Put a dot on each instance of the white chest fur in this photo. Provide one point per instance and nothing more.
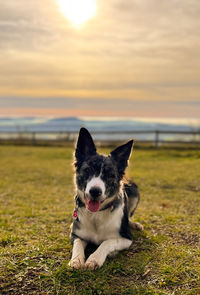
(99, 226)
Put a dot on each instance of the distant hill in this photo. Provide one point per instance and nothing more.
(73, 124)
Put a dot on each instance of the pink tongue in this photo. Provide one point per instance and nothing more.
(93, 206)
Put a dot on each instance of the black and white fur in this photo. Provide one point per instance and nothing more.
(104, 203)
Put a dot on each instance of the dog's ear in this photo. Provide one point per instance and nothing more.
(85, 146)
(121, 155)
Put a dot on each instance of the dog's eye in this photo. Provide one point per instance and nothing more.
(108, 174)
(87, 170)
(111, 175)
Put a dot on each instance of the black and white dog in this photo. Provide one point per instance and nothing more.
(103, 204)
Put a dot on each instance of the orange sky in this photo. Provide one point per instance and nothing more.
(62, 107)
(131, 50)
(73, 113)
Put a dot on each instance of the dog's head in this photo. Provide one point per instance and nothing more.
(98, 177)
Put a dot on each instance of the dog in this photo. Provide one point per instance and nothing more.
(104, 203)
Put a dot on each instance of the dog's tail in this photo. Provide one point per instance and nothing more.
(136, 225)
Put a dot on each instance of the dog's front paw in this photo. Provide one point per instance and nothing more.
(92, 263)
(76, 263)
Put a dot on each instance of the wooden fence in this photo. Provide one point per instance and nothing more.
(158, 137)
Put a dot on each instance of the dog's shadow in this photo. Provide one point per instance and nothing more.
(90, 248)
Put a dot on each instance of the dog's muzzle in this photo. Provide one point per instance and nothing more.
(92, 199)
(95, 192)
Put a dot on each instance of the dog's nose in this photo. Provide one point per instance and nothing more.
(95, 192)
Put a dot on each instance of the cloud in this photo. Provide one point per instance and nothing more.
(139, 49)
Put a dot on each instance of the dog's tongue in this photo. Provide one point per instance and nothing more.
(93, 206)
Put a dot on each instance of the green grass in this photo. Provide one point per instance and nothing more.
(36, 205)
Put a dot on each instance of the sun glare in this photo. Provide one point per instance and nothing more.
(78, 11)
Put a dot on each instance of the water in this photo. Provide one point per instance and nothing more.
(99, 124)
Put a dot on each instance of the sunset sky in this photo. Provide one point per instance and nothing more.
(133, 58)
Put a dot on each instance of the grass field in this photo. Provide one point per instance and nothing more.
(36, 205)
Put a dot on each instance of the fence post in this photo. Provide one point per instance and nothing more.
(33, 138)
(157, 138)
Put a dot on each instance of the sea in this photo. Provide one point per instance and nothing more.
(116, 128)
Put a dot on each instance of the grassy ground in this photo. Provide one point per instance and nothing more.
(36, 205)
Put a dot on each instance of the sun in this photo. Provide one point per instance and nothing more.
(78, 11)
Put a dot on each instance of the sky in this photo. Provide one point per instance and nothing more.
(134, 58)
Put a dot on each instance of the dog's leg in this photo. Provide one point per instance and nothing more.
(78, 254)
(97, 259)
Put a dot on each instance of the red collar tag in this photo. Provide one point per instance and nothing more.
(75, 214)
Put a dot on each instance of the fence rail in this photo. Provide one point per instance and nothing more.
(105, 132)
(158, 136)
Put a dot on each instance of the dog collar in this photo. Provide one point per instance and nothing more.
(79, 203)
(75, 214)
(113, 204)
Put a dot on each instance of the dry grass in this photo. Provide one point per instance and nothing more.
(36, 204)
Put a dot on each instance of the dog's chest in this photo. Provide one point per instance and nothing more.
(100, 226)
